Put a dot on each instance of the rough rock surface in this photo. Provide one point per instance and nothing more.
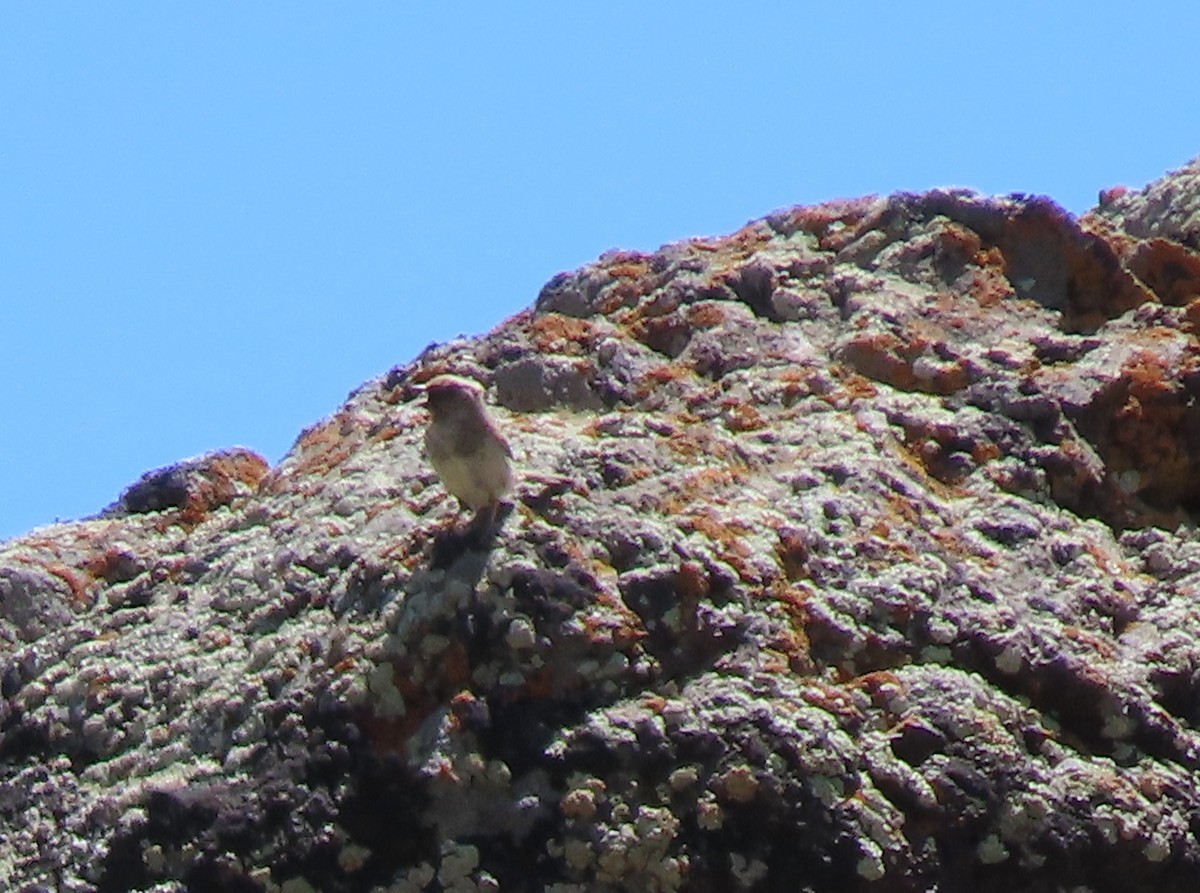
(854, 551)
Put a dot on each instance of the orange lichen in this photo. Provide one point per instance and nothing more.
(384, 431)
(630, 269)
(555, 333)
(835, 223)
(985, 451)
(959, 243)
(741, 244)
(706, 315)
(624, 293)
(696, 442)
(1114, 566)
(831, 699)
(952, 541)
(325, 446)
(1169, 269)
(730, 533)
(1143, 424)
(935, 445)
(792, 641)
(659, 376)
(625, 632)
(613, 298)
(881, 356)
(112, 565)
(82, 588)
(698, 483)
(692, 582)
(792, 553)
(743, 417)
(891, 359)
(219, 480)
(1106, 648)
(216, 639)
(654, 703)
(989, 285)
(800, 382)
(99, 690)
(427, 372)
(882, 687)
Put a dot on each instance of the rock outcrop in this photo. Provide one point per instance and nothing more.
(854, 551)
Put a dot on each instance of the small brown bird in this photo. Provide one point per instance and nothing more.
(469, 454)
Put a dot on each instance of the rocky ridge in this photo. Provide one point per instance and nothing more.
(855, 550)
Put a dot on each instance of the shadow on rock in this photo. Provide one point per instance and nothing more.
(466, 547)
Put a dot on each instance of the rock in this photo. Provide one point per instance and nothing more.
(194, 486)
(854, 550)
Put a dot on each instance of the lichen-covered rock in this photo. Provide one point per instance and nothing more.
(854, 551)
(194, 486)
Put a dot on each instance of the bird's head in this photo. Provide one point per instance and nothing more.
(450, 394)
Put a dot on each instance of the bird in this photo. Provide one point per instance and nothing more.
(465, 448)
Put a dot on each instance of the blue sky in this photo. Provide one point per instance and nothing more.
(218, 219)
